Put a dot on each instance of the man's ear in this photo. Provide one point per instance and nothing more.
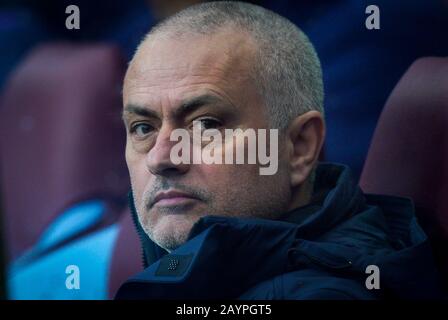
(305, 135)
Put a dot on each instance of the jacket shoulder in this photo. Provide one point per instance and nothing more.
(309, 285)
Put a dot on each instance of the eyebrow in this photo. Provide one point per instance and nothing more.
(191, 105)
(186, 107)
(140, 111)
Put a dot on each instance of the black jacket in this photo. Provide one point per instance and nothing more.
(319, 251)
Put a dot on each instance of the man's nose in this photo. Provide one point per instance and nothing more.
(158, 159)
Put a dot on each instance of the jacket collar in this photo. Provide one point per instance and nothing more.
(208, 266)
(335, 198)
(264, 246)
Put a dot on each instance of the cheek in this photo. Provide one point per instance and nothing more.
(228, 177)
(137, 173)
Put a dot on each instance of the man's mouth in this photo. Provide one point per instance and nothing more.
(173, 198)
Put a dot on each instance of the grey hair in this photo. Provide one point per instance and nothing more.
(286, 68)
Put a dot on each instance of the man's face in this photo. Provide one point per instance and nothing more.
(170, 84)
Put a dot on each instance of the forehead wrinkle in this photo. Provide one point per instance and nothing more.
(224, 71)
(235, 54)
(204, 69)
(209, 82)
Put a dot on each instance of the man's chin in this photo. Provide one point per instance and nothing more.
(171, 231)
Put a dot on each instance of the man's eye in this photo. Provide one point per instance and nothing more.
(207, 123)
(141, 129)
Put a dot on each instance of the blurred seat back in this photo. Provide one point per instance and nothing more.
(61, 137)
(409, 151)
(127, 257)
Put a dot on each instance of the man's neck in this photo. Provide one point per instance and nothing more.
(301, 196)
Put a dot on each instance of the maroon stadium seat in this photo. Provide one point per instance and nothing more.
(127, 258)
(61, 137)
(409, 151)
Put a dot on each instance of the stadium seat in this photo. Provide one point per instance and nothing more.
(61, 137)
(127, 256)
(408, 155)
